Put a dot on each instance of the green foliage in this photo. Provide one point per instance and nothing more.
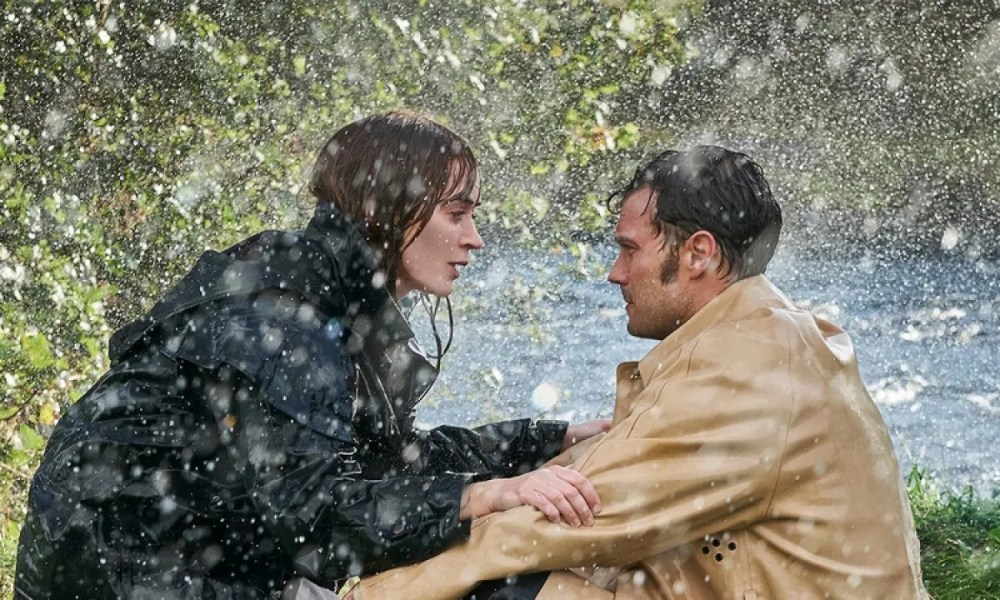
(960, 541)
(9, 531)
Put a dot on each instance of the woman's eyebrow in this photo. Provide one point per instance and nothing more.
(463, 198)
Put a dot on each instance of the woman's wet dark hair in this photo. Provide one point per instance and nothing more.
(387, 173)
(717, 190)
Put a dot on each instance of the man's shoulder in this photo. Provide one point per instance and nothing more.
(761, 336)
(775, 322)
(758, 349)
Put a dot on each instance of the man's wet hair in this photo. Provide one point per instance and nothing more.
(716, 190)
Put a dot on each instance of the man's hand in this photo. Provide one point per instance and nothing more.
(559, 492)
(578, 432)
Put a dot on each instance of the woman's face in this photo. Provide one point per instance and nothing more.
(431, 262)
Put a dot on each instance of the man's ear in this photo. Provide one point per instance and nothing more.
(702, 254)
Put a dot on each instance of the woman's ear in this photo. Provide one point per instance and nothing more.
(702, 254)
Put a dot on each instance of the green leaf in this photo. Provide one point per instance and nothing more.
(36, 348)
(13, 529)
(31, 438)
(18, 458)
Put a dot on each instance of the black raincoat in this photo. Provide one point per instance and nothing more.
(254, 427)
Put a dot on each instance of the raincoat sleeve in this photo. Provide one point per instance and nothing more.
(334, 523)
(501, 449)
(697, 454)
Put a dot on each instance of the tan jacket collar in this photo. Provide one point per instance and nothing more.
(733, 304)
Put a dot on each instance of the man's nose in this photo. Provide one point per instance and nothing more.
(617, 273)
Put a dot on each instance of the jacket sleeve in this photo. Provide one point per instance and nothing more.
(698, 454)
(501, 449)
(334, 523)
(282, 401)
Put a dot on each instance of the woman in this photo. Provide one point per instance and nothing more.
(256, 424)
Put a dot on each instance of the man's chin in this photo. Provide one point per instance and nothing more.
(636, 330)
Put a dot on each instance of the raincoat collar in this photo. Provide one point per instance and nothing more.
(329, 263)
(733, 304)
(359, 273)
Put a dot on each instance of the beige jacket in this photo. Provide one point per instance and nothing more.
(746, 462)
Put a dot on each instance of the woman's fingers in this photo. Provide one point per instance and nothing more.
(574, 501)
(546, 505)
(583, 486)
(561, 493)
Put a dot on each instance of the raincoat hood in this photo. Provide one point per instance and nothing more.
(329, 264)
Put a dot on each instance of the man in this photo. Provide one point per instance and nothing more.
(745, 460)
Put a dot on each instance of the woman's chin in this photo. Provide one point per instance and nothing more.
(442, 289)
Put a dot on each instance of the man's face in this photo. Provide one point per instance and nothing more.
(648, 272)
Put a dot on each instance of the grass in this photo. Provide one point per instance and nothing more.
(959, 541)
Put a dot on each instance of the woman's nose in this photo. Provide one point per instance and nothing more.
(471, 238)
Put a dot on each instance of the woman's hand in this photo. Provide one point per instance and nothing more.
(560, 493)
(578, 432)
